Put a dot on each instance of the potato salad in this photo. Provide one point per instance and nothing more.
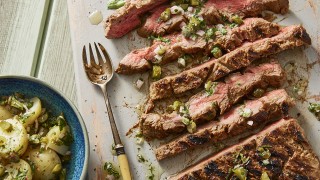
(34, 144)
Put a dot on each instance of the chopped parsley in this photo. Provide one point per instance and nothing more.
(159, 38)
(108, 166)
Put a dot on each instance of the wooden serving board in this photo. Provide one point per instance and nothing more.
(125, 97)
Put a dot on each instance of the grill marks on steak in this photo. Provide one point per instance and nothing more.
(230, 124)
(290, 37)
(252, 29)
(213, 12)
(203, 106)
(291, 156)
(127, 18)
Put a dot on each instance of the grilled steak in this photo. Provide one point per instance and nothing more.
(204, 106)
(213, 12)
(280, 151)
(289, 37)
(231, 124)
(252, 29)
(127, 17)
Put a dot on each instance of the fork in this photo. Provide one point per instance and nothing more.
(100, 74)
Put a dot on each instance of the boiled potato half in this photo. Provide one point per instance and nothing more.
(54, 135)
(4, 113)
(47, 163)
(13, 137)
(20, 170)
(33, 113)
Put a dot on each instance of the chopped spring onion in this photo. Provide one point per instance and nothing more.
(211, 33)
(210, 87)
(265, 162)
(165, 15)
(245, 112)
(176, 10)
(314, 107)
(184, 6)
(181, 62)
(237, 19)
(139, 140)
(139, 83)
(190, 9)
(95, 17)
(160, 50)
(264, 152)
(240, 172)
(176, 105)
(157, 59)
(250, 123)
(116, 4)
(192, 127)
(113, 150)
(108, 166)
(185, 121)
(258, 92)
(223, 31)
(264, 176)
(216, 52)
(186, 31)
(156, 72)
(195, 2)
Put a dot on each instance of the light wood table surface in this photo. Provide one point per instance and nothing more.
(35, 41)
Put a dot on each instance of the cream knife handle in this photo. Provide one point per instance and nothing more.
(123, 162)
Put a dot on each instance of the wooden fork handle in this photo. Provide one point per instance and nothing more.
(123, 162)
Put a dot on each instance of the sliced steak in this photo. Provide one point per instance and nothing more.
(127, 18)
(291, 157)
(290, 37)
(231, 124)
(204, 106)
(213, 12)
(252, 29)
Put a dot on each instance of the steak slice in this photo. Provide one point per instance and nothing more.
(290, 37)
(127, 18)
(203, 106)
(291, 156)
(252, 29)
(231, 124)
(213, 12)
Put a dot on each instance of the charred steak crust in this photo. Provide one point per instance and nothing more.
(290, 37)
(200, 106)
(231, 124)
(252, 29)
(213, 12)
(291, 156)
(127, 18)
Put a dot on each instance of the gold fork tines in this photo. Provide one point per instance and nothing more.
(100, 72)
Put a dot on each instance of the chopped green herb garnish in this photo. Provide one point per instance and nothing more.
(156, 72)
(159, 38)
(116, 4)
(165, 15)
(223, 31)
(210, 87)
(108, 166)
(141, 159)
(245, 112)
(216, 52)
(264, 176)
(240, 172)
(237, 19)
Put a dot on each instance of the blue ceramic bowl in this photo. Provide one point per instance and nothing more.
(57, 103)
